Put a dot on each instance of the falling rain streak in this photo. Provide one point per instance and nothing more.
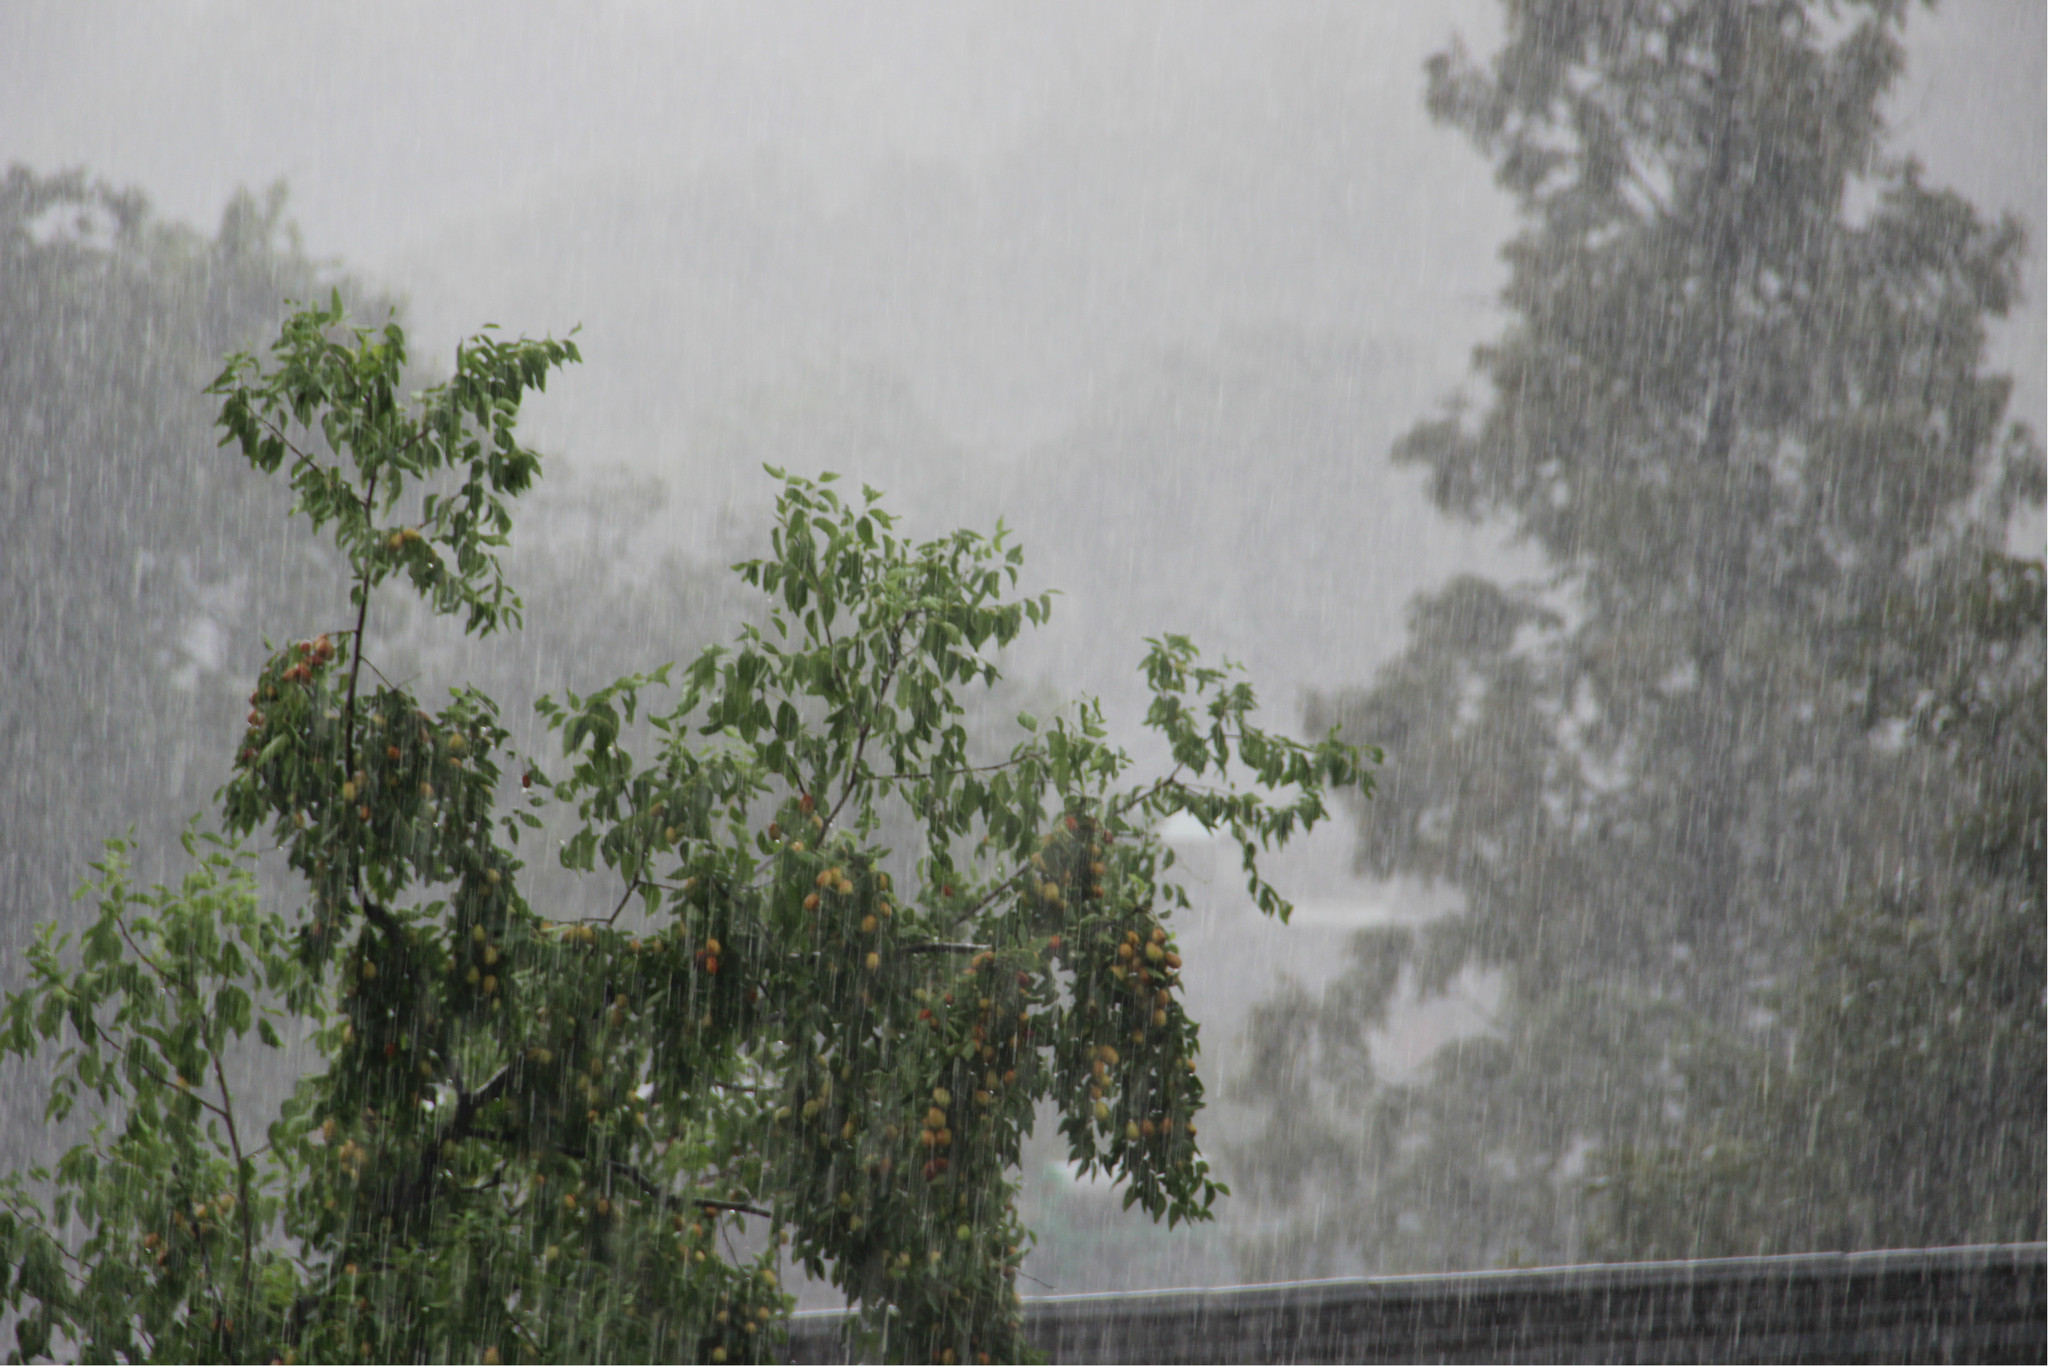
(1621, 420)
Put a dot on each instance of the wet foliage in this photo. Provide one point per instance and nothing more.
(532, 1134)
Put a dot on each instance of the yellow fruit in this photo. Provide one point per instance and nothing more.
(874, 960)
(1131, 1131)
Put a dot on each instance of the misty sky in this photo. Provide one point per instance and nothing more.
(412, 133)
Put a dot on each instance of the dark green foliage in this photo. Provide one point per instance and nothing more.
(535, 1134)
(1747, 425)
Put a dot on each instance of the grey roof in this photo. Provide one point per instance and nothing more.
(1981, 1303)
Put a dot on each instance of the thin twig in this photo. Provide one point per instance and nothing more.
(227, 1101)
(355, 670)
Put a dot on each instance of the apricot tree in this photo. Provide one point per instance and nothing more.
(531, 1135)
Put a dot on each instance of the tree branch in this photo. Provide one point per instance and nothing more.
(867, 724)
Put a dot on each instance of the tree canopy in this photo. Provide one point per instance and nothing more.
(1742, 408)
(528, 1135)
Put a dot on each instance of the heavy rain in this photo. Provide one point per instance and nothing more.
(1603, 438)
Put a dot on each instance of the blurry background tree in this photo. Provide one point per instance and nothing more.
(136, 565)
(1743, 800)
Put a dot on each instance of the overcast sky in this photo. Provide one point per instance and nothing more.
(401, 127)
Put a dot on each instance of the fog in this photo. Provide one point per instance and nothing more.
(1160, 285)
